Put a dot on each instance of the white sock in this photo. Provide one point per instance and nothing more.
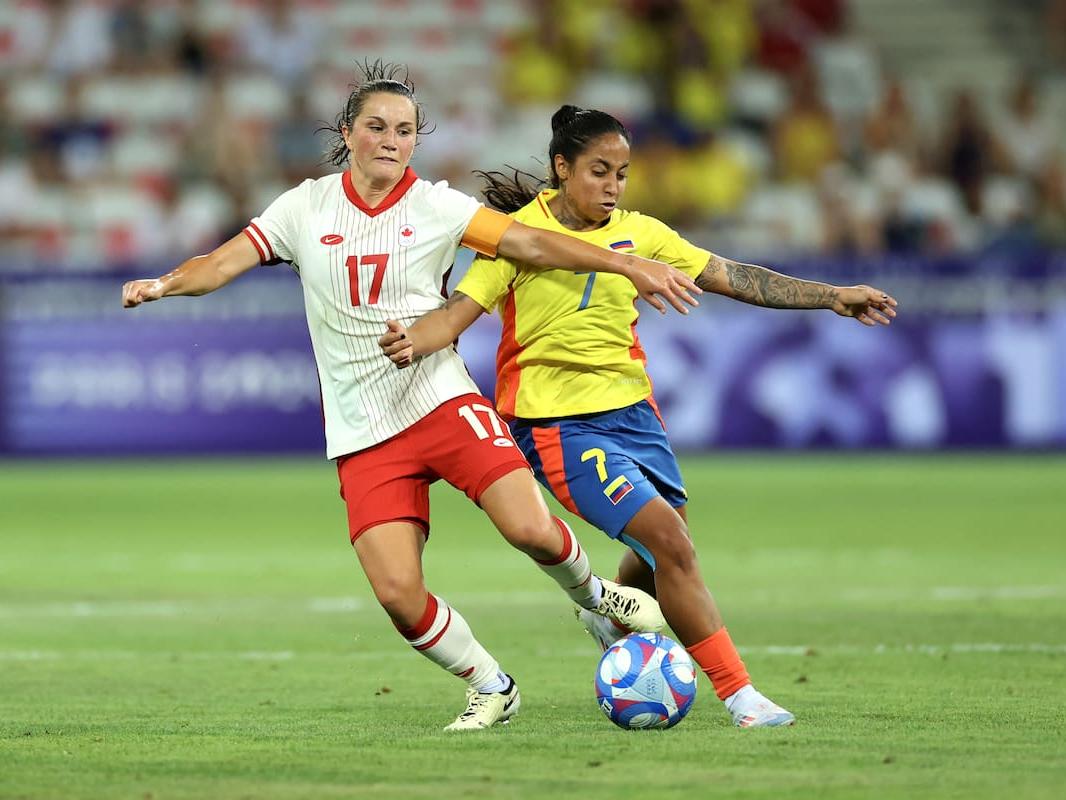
(596, 589)
(445, 638)
(742, 696)
(571, 570)
(497, 684)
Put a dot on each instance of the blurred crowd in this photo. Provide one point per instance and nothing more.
(143, 132)
(773, 127)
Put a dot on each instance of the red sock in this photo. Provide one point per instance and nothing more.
(719, 659)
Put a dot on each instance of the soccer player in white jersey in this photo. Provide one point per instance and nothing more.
(375, 243)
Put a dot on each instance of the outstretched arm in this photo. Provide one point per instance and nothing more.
(431, 332)
(760, 286)
(652, 279)
(199, 275)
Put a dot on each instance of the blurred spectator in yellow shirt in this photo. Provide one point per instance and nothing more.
(805, 137)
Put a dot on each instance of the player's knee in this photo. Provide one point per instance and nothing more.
(403, 597)
(673, 549)
(537, 538)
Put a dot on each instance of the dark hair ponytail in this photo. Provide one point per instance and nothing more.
(508, 193)
(563, 116)
(572, 130)
(374, 76)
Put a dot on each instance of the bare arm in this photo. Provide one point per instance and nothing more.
(760, 286)
(558, 251)
(431, 332)
(198, 275)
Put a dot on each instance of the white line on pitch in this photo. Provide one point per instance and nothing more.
(349, 604)
(387, 652)
(176, 608)
(997, 592)
(922, 649)
(315, 605)
(128, 655)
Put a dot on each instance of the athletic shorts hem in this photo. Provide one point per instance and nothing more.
(421, 523)
(495, 474)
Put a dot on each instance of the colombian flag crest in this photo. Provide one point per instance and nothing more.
(625, 244)
(617, 489)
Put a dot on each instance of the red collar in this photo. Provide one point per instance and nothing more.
(390, 200)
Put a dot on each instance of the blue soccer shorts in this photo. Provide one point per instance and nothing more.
(605, 467)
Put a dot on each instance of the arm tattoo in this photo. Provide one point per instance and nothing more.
(764, 287)
(705, 280)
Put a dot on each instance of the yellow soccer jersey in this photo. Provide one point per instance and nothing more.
(569, 342)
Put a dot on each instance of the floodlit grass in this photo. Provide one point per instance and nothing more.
(197, 629)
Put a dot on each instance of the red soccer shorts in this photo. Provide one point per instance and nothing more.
(462, 441)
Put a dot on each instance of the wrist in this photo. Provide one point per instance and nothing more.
(424, 338)
(628, 265)
(162, 285)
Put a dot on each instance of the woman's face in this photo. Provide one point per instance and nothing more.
(596, 180)
(382, 138)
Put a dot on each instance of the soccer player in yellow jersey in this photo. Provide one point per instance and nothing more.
(571, 378)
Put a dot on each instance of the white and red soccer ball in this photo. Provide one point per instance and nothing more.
(645, 680)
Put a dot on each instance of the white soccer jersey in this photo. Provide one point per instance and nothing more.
(359, 267)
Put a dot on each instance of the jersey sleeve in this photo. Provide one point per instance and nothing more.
(487, 281)
(453, 208)
(275, 232)
(671, 248)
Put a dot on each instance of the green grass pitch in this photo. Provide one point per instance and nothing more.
(201, 629)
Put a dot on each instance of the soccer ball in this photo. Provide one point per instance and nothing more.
(645, 680)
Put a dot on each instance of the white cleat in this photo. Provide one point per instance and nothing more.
(604, 630)
(751, 709)
(485, 709)
(631, 608)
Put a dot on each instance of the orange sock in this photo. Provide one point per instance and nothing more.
(719, 659)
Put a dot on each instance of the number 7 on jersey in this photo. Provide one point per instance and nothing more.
(378, 261)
